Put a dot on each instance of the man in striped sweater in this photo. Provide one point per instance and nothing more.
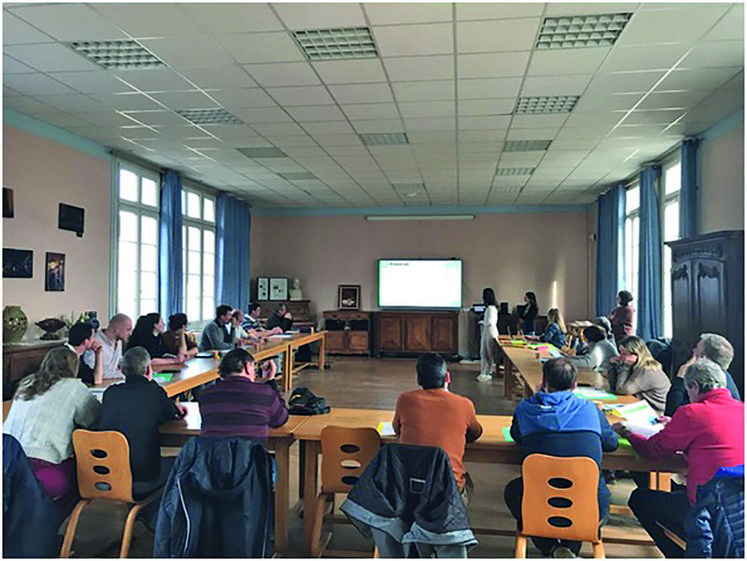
(243, 402)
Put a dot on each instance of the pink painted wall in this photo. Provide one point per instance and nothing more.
(42, 174)
(722, 178)
(510, 252)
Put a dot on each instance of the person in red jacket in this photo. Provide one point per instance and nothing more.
(709, 432)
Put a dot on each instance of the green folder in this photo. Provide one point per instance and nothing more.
(162, 377)
(507, 434)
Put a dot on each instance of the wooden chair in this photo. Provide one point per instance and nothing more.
(560, 501)
(345, 454)
(103, 466)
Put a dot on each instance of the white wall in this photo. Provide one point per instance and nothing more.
(722, 181)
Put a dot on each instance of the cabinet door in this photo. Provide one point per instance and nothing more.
(335, 341)
(390, 333)
(683, 320)
(710, 295)
(417, 333)
(357, 341)
(442, 334)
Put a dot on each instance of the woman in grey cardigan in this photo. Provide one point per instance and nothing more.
(601, 350)
(636, 372)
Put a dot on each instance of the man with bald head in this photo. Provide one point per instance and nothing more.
(113, 339)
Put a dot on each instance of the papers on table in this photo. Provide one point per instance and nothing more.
(593, 394)
(385, 429)
(162, 377)
(282, 336)
(640, 418)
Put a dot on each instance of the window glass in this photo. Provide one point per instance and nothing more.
(149, 233)
(150, 192)
(127, 226)
(193, 205)
(127, 185)
(632, 199)
(148, 288)
(672, 179)
(209, 214)
(149, 258)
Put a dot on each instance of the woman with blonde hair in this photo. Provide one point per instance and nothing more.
(48, 406)
(555, 331)
(636, 372)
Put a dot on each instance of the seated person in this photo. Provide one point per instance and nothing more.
(282, 318)
(242, 336)
(251, 320)
(112, 340)
(48, 406)
(601, 350)
(242, 403)
(528, 313)
(148, 333)
(636, 372)
(582, 347)
(177, 340)
(713, 347)
(80, 338)
(136, 408)
(555, 332)
(709, 431)
(433, 416)
(556, 422)
(219, 335)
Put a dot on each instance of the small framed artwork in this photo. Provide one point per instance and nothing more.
(263, 288)
(8, 208)
(18, 263)
(349, 297)
(278, 289)
(54, 280)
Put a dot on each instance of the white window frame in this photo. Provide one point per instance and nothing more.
(632, 264)
(203, 226)
(666, 262)
(140, 210)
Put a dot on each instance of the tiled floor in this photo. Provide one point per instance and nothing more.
(351, 382)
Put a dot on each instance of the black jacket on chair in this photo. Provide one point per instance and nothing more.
(408, 495)
(30, 517)
(217, 501)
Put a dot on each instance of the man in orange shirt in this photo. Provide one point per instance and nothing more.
(432, 416)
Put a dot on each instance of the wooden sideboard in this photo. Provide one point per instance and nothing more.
(21, 359)
(348, 332)
(417, 332)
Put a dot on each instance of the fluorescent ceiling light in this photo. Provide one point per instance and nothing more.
(514, 171)
(581, 31)
(263, 152)
(546, 104)
(526, 145)
(336, 43)
(384, 138)
(398, 217)
(217, 116)
(117, 55)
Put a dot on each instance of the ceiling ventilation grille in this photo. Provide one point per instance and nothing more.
(117, 55)
(339, 43)
(581, 31)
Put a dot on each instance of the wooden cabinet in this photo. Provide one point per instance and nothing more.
(348, 332)
(708, 295)
(417, 332)
(21, 359)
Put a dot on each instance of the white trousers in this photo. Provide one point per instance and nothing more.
(488, 352)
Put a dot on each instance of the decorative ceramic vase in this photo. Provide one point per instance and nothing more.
(15, 323)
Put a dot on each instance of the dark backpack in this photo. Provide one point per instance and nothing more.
(303, 402)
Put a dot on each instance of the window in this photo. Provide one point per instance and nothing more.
(198, 247)
(632, 232)
(672, 178)
(137, 241)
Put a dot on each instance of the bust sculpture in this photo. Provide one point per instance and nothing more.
(295, 292)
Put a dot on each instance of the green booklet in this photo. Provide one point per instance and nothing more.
(593, 393)
(162, 377)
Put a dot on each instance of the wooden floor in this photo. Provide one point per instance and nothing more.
(376, 383)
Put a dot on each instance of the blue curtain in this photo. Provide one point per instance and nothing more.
(689, 188)
(650, 315)
(610, 224)
(170, 282)
(234, 224)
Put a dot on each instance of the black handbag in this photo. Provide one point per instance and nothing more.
(304, 402)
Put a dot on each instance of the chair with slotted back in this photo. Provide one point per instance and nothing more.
(560, 501)
(103, 466)
(345, 454)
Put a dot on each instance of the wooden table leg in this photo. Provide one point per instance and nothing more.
(282, 492)
(313, 449)
(301, 467)
(508, 380)
(321, 354)
(288, 367)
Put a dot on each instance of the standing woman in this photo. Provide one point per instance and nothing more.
(528, 313)
(636, 372)
(622, 316)
(48, 406)
(489, 334)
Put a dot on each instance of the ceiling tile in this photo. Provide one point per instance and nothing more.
(434, 90)
(472, 107)
(427, 109)
(18, 32)
(594, 101)
(194, 99)
(489, 10)
(439, 67)
(285, 74)
(297, 16)
(703, 55)
(26, 104)
(328, 127)
(685, 23)
(532, 134)
(69, 22)
(371, 111)
(309, 113)
(350, 71)
(499, 122)
(35, 84)
(567, 61)
(485, 88)
(430, 124)
(156, 19)
(251, 115)
(233, 17)
(694, 79)
(12, 66)
(492, 65)
(581, 9)
(496, 35)
(72, 103)
(261, 47)
(376, 125)
(154, 80)
(625, 82)
(401, 13)
(307, 95)
(432, 39)
(199, 51)
(362, 93)
(731, 27)
(97, 81)
(247, 97)
(156, 117)
(644, 57)
(49, 57)
(221, 77)
(538, 121)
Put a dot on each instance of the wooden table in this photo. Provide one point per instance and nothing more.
(299, 340)
(176, 433)
(492, 447)
(289, 346)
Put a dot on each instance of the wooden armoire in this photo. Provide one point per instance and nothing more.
(708, 295)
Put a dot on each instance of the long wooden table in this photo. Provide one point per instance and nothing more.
(176, 433)
(492, 447)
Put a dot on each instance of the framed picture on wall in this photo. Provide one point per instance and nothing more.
(349, 297)
(263, 288)
(18, 263)
(278, 288)
(54, 278)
